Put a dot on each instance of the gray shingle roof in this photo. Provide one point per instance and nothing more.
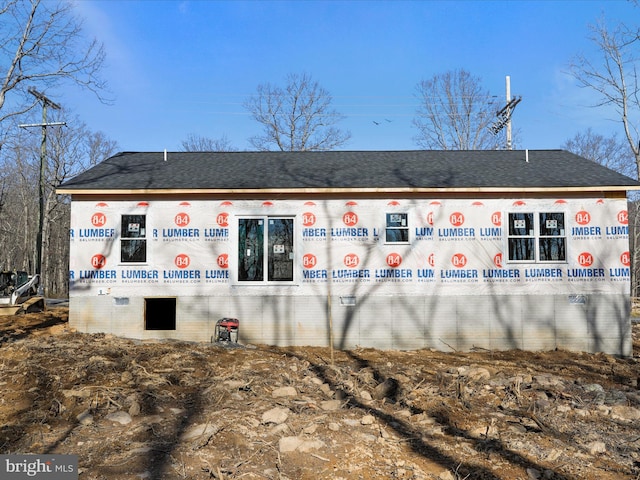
(358, 170)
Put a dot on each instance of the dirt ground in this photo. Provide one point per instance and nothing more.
(177, 410)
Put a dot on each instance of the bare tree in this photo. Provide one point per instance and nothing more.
(70, 150)
(197, 143)
(614, 77)
(297, 117)
(607, 151)
(455, 113)
(99, 147)
(42, 46)
(20, 204)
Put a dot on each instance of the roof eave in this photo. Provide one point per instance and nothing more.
(385, 190)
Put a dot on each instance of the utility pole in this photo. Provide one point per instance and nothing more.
(508, 113)
(504, 116)
(43, 162)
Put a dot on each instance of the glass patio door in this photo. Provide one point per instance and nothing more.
(275, 256)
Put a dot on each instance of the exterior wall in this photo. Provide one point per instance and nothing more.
(450, 285)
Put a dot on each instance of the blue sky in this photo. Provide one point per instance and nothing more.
(177, 68)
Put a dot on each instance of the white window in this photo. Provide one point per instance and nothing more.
(537, 237)
(397, 228)
(133, 239)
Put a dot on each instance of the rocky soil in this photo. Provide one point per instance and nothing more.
(176, 410)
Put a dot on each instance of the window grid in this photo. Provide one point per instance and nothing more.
(537, 238)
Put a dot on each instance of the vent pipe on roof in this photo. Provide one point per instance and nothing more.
(165, 154)
(526, 155)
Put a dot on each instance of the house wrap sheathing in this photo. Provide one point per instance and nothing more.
(394, 250)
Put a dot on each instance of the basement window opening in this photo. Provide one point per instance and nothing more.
(159, 313)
